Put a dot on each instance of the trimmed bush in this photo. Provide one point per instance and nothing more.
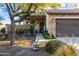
(24, 27)
(59, 48)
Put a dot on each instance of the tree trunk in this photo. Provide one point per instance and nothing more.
(12, 32)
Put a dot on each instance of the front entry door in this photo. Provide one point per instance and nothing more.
(41, 26)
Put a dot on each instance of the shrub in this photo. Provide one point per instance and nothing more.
(4, 37)
(22, 38)
(3, 30)
(59, 48)
(22, 42)
(24, 28)
(46, 35)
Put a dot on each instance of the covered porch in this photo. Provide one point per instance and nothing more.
(38, 22)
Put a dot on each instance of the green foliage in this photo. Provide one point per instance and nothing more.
(41, 6)
(4, 37)
(53, 5)
(38, 7)
(46, 35)
(21, 28)
(25, 6)
(3, 30)
(59, 48)
(23, 38)
(32, 20)
(53, 37)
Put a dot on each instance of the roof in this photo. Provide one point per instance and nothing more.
(60, 11)
(38, 14)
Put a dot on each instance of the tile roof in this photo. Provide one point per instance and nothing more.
(62, 11)
(37, 14)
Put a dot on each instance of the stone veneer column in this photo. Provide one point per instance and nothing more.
(54, 26)
(51, 25)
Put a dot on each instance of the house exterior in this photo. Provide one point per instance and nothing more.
(2, 25)
(63, 23)
(59, 23)
(39, 21)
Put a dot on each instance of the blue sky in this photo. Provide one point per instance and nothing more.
(4, 14)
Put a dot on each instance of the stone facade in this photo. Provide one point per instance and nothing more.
(51, 22)
(51, 25)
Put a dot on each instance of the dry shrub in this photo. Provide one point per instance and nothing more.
(65, 50)
(59, 48)
(22, 42)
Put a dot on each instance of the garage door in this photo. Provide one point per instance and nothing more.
(67, 27)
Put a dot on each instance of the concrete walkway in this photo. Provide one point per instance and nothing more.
(39, 36)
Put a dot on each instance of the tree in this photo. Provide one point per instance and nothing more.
(39, 7)
(12, 31)
(12, 12)
(29, 8)
(24, 10)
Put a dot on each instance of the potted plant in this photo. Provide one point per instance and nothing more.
(35, 46)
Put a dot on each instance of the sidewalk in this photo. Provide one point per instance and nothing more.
(39, 36)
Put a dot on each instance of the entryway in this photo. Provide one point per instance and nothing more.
(41, 25)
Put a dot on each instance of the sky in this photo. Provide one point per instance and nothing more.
(4, 14)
